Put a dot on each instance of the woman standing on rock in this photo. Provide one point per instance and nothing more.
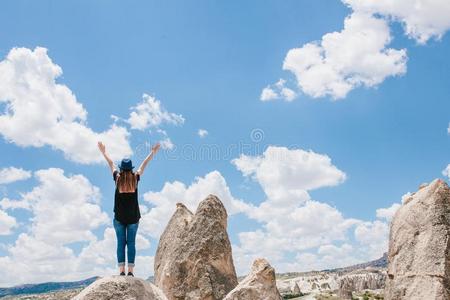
(126, 206)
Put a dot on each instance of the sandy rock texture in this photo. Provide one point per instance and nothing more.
(309, 283)
(121, 288)
(193, 259)
(419, 246)
(359, 281)
(260, 284)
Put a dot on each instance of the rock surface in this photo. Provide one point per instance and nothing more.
(345, 289)
(296, 290)
(121, 288)
(193, 259)
(359, 281)
(311, 282)
(259, 284)
(168, 246)
(419, 246)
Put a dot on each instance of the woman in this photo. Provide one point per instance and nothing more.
(126, 206)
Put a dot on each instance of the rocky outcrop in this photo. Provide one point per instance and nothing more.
(193, 259)
(168, 246)
(346, 289)
(296, 290)
(359, 281)
(260, 284)
(121, 287)
(309, 282)
(419, 246)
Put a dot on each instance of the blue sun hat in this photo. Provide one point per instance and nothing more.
(126, 165)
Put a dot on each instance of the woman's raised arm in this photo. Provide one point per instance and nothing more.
(149, 157)
(102, 149)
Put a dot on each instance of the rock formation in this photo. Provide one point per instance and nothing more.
(309, 282)
(169, 244)
(360, 280)
(345, 289)
(193, 259)
(260, 284)
(121, 287)
(419, 246)
(296, 290)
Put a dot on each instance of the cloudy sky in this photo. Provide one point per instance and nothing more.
(309, 119)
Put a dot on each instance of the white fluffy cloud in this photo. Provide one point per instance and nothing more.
(286, 176)
(268, 93)
(278, 91)
(370, 242)
(389, 212)
(291, 221)
(65, 209)
(356, 56)
(40, 111)
(297, 170)
(293, 224)
(359, 54)
(7, 223)
(12, 174)
(422, 19)
(296, 228)
(202, 133)
(151, 113)
(163, 203)
(166, 143)
(327, 257)
(446, 171)
(33, 260)
(7, 203)
(373, 238)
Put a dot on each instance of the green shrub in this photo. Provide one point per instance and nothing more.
(290, 296)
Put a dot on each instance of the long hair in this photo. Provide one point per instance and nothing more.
(126, 182)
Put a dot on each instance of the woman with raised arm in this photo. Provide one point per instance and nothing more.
(126, 206)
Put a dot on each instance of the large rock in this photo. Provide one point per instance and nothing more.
(169, 245)
(260, 284)
(193, 259)
(121, 288)
(419, 246)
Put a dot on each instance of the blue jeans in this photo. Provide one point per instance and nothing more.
(126, 235)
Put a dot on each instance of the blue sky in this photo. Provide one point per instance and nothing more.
(209, 62)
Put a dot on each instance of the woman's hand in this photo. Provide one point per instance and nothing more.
(149, 157)
(101, 147)
(155, 147)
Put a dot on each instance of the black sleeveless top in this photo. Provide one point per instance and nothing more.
(126, 206)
